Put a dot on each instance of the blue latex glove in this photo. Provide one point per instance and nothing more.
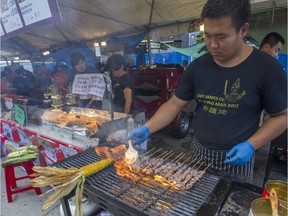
(138, 135)
(240, 154)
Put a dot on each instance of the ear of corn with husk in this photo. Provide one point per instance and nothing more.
(21, 154)
(65, 180)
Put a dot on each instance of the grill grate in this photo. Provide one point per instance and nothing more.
(149, 197)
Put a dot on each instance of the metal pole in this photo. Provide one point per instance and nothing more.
(149, 48)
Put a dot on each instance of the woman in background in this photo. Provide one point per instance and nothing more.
(122, 86)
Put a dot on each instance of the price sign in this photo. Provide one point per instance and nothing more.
(10, 16)
(19, 115)
(18, 16)
(34, 10)
(93, 84)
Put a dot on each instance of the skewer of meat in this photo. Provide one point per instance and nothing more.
(156, 163)
(149, 167)
(171, 171)
(175, 176)
(199, 175)
(194, 179)
(168, 165)
(182, 172)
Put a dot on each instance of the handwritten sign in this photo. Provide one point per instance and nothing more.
(34, 11)
(85, 84)
(18, 16)
(10, 16)
(19, 115)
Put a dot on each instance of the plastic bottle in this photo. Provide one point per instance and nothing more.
(130, 124)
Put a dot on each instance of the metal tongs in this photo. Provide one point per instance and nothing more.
(131, 153)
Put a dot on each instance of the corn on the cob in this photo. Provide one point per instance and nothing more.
(22, 158)
(66, 180)
(21, 154)
(31, 147)
(95, 167)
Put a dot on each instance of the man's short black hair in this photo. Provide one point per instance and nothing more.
(238, 10)
(115, 62)
(272, 39)
(75, 58)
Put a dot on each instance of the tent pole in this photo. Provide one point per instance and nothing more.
(149, 48)
(148, 33)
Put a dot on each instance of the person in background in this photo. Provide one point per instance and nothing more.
(272, 44)
(43, 78)
(79, 64)
(6, 86)
(60, 77)
(24, 82)
(184, 64)
(122, 86)
(231, 88)
(10, 75)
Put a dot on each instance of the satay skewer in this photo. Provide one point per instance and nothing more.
(168, 153)
(148, 151)
(207, 167)
(199, 165)
(177, 157)
(193, 167)
(191, 162)
(186, 160)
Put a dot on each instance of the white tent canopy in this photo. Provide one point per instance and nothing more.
(91, 20)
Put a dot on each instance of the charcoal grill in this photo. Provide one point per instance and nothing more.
(122, 196)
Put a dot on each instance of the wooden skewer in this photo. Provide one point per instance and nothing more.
(156, 151)
(171, 153)
(167, 154)
(207, 167)
(186, 160)
(191, 162)
(200, 165)
(196, 163)
(180, 158)
(163, 154)
(148, 151)
(177, 157)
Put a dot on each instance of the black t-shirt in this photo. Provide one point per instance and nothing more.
(118, 86)
(230, 100)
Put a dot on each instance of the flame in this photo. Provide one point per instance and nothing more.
(116, 153)
(123, 165)
(123, 169)
(165, 182)
(130, 160)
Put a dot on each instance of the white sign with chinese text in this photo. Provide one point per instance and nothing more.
(85, 84)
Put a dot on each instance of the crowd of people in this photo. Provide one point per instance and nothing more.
(35, 84)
